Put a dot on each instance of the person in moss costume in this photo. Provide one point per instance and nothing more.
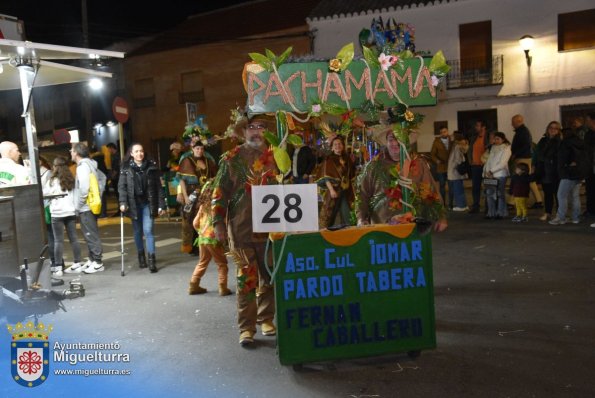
(251, 163)
(193, 172)
(380, 194)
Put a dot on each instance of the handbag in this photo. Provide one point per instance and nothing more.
(47, 215)
(463, 167)
(490, 182)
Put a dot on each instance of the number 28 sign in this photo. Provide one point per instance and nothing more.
(284, 208)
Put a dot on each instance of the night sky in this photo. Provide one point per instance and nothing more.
(59, 22)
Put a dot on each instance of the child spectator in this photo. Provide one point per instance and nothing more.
(519, 189)
(496, 167)
(209, 246)
(454, 175)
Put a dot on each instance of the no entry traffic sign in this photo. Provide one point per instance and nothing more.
(120, 109)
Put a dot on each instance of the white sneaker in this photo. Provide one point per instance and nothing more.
(557, 221)
(94, 267)
(77, 268)
(57, 271)
(460, 208)
(593, 225)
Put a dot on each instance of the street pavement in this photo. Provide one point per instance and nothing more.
(514, 308)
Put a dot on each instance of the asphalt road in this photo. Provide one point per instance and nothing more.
(514, 318)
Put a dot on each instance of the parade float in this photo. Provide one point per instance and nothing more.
(354, 291)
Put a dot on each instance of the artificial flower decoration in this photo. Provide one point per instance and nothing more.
(389, 38)
(386, 61)
(438, 68)
(198, 130)
(394, 195)
(405, 218)
(342, 60)
(404, 118)
(335, 65)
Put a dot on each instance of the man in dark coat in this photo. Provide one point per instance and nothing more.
(478, 144)
(521, 153)
(303, 163)
(590, 178)
(571, 159)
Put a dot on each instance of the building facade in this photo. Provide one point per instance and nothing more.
(200, 62)
(490, 77)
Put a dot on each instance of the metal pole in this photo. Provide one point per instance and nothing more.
(122, 240)
(26, 77)
(121, 140)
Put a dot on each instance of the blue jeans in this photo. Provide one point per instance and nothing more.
(143, 225)
(476, 179)
(459, 193)
(441, 179)
(58, 225)
(496, 198)
(567, 187)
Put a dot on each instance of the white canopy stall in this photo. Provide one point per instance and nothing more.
(25, 65)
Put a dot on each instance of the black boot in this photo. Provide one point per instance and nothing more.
(142, 261)
(152, 265)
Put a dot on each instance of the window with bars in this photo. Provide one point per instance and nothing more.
(144, 93)
(192, 87)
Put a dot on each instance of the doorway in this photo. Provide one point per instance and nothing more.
(466, 120)
(569, 112)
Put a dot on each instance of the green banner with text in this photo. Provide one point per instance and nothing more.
(353, 293)
(295, 87)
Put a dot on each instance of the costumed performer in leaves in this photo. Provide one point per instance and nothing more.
(335, 179)
(383, 180)
(193, 173)
(249, 164)
(210, 247)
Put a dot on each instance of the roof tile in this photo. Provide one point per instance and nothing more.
(329, 8)
(232, 23)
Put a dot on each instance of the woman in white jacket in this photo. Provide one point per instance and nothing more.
(61, 182)
(496, 167)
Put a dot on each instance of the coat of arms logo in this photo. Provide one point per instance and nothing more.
(29, 348)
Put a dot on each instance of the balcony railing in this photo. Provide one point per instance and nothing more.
(191, 96)
(143, 102)
(475, 72)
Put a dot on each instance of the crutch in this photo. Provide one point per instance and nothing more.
(122, 239)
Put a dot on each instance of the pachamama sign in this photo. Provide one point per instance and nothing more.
(297, 86)
(353, 293)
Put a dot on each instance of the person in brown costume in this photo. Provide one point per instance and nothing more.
(335, 178)
(249, 164)
(194, 171)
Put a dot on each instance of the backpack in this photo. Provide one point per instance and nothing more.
(101, 181)
(96, 188)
